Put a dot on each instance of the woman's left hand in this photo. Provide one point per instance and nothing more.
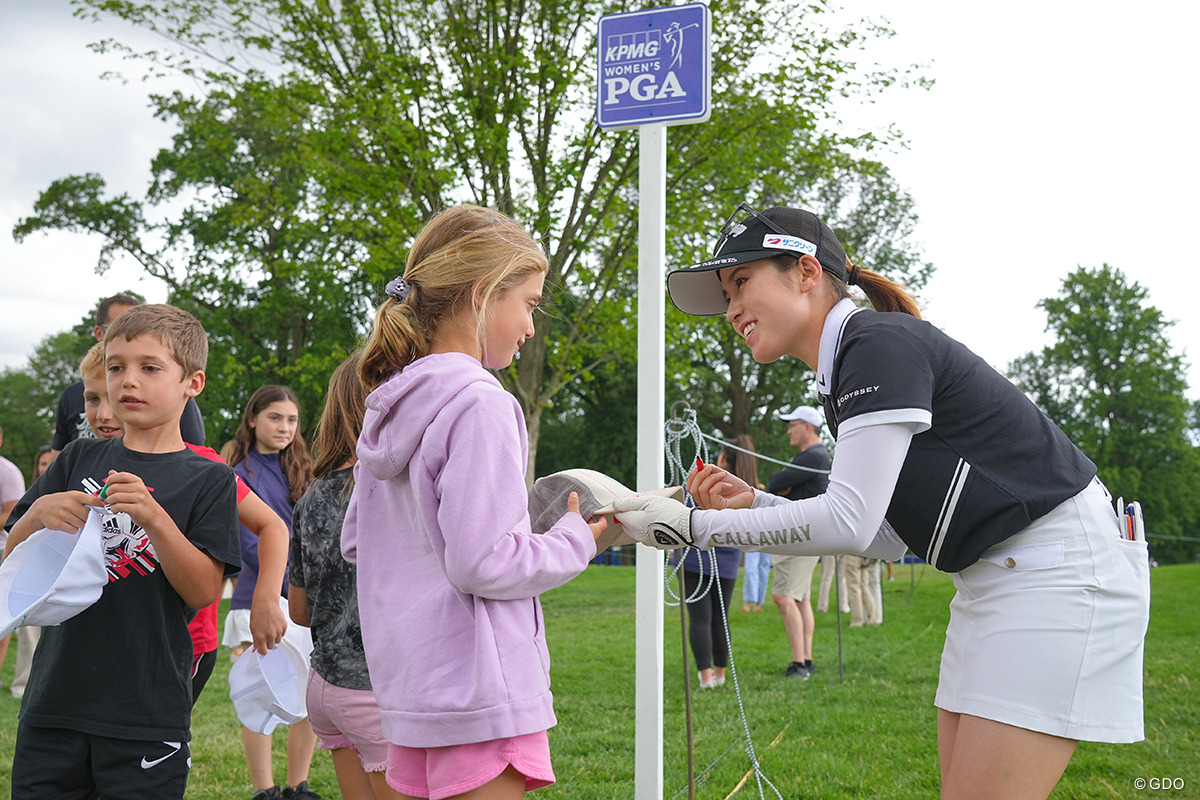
(715, 488)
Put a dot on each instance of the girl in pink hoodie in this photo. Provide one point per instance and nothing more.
(449, 571)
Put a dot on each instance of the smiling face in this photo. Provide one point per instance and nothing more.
(762, 308)
(275, 426)
(777, 312)
(509, 321)
(100, 415)
(147, 386)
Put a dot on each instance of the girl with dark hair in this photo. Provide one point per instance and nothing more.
(342, 708)
(270, 455)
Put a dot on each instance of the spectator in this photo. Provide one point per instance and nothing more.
(858, 589)
(70, 422)
(756, 570)
(827, 572)
(270, 455)
(709, 593)
(449, 571)
(807, 477)
(874, 574)
(756, 574)
(323, 595)
(107, 712)
(268, 623)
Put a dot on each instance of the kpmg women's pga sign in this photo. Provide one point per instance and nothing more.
(654, 66)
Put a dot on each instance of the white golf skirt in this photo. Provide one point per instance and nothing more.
(1047, 628)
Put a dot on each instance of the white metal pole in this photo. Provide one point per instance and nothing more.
(651, 400)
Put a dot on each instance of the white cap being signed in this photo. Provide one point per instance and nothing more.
(53, 575)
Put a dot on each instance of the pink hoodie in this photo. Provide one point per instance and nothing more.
(449, 572)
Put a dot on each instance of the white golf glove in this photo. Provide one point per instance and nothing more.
(655, 521)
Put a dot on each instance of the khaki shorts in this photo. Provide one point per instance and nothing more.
(793, 575)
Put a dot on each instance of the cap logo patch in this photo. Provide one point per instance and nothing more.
(776, 241)
(737, 230)
(713, 262)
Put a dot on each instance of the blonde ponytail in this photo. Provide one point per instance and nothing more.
(396, 341)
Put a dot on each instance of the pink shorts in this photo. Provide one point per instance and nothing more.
(347, 718)
(439, 772)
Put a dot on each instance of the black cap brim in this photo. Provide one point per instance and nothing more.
(697, 289)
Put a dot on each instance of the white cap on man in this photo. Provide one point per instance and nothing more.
(804, 414)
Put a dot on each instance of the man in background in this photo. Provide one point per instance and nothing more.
(807, 477)
(70, 422)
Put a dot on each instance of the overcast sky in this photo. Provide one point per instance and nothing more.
(1059, 135)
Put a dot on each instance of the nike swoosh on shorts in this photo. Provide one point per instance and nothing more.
(147, 763)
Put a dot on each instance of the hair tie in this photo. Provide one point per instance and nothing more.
(398, 288)
(852, 275)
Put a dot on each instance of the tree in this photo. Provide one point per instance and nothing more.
(249, 256)
(1113, 384)
(29, 396)
(371, 116)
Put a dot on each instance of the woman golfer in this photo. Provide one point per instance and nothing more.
(938, 452)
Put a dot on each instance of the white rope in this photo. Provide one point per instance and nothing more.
(761, 457)
(677, 429)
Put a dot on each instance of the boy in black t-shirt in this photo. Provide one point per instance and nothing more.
(107, 710)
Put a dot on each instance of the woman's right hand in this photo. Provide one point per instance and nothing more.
(714, 488)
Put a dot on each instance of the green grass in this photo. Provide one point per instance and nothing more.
(869, 735)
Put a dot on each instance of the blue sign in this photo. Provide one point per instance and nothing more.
(654, 66)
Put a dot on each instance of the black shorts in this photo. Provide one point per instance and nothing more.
(62, 764)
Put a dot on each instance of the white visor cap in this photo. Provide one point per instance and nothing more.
(53, 575)
(597, 491)
(268, 691)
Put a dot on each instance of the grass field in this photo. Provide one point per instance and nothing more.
(870, 734)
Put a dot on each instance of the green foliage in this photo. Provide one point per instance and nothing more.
(29, 395)
(27, 417)
(1115, 386)
(871, 734)
(595, 426)
(325, 133)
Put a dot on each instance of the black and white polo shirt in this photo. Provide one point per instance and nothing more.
(984, 461)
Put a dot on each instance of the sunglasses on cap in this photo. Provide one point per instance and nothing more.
(735, 224)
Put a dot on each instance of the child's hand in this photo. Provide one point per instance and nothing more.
(63, 511)
(267, 622)
(124, 491)
(598, 527)
(712, 487)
